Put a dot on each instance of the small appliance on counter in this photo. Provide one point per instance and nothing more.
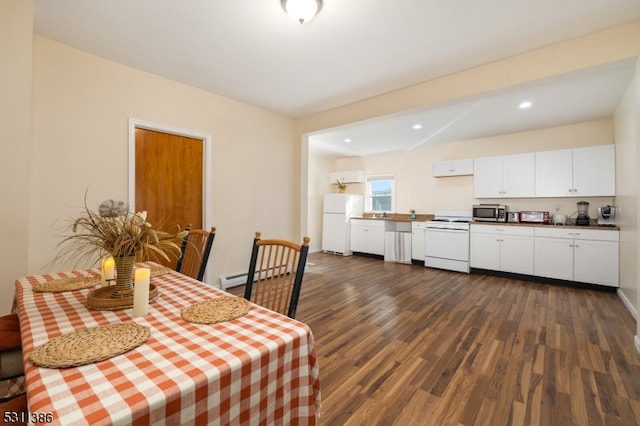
(559, 219)
(583, 213)
(513, 217)
(606, 216)
(490, 213)
(534, 217)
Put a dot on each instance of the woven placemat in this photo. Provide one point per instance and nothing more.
(156, 271)
(216, 310)
(89, 345)
(66, 284)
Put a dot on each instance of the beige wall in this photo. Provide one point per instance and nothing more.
(82, 105)
(319, 169)
(627, 160)
(627, 132)
(16, 17)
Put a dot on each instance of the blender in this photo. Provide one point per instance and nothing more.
(583, 213)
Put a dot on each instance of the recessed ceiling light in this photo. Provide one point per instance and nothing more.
(347, 140)
(417, 126)
(526, 104)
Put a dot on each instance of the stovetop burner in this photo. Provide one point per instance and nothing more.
(451, 219)
(457, 216)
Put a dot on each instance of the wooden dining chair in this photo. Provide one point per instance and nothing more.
(194, 252)
(275, 274)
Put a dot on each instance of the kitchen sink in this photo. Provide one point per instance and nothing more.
(397, 226)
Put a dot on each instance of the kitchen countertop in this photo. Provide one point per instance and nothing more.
(401, 217)
(398, 217)
(594, 225)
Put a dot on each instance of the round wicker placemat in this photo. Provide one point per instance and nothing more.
(89, 345)
(216, 310)
(66, 284)
(156, 271)
(102, 300)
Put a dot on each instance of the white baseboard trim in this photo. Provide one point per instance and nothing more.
(628, 304)
(634, 314)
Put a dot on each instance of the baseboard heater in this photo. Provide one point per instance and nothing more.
(233, 281)
(240, 279)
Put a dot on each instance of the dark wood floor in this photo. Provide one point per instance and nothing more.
(408, 345)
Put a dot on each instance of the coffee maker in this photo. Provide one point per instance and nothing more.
(606, 215)
(583, 213)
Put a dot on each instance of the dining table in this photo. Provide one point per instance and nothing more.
(259, 368)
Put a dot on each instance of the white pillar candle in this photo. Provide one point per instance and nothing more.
(141, 291)
(108, 268)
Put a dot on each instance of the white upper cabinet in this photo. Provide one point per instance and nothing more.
(594, 171)
(508, 176)
(554, 173)
(579, 172)
(452, 168)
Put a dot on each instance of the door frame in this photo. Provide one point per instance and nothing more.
(206, 161)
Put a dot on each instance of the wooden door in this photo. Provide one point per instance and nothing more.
(169, 180)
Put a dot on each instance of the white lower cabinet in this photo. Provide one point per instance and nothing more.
(502, 248)
(417, 240)
(367, 236)
(583, 255)
(587, 256)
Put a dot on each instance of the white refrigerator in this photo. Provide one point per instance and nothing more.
(336, 224)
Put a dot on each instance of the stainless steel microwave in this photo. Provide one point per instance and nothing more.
(490, 212)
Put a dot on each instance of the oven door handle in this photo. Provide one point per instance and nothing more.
(445, 229)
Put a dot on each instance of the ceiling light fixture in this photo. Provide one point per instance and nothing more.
(526, 104)
(347, 140)
(417, 126)
(301, 11)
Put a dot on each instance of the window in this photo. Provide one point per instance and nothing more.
(381, 193)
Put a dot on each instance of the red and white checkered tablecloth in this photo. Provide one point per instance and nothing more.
(260, 369)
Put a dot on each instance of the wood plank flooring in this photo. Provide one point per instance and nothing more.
(408, 345)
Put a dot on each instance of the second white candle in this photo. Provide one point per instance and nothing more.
(141, 291)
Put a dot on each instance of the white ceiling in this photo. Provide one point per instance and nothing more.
(250, 51)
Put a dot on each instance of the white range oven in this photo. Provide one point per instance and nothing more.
(446, 240)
